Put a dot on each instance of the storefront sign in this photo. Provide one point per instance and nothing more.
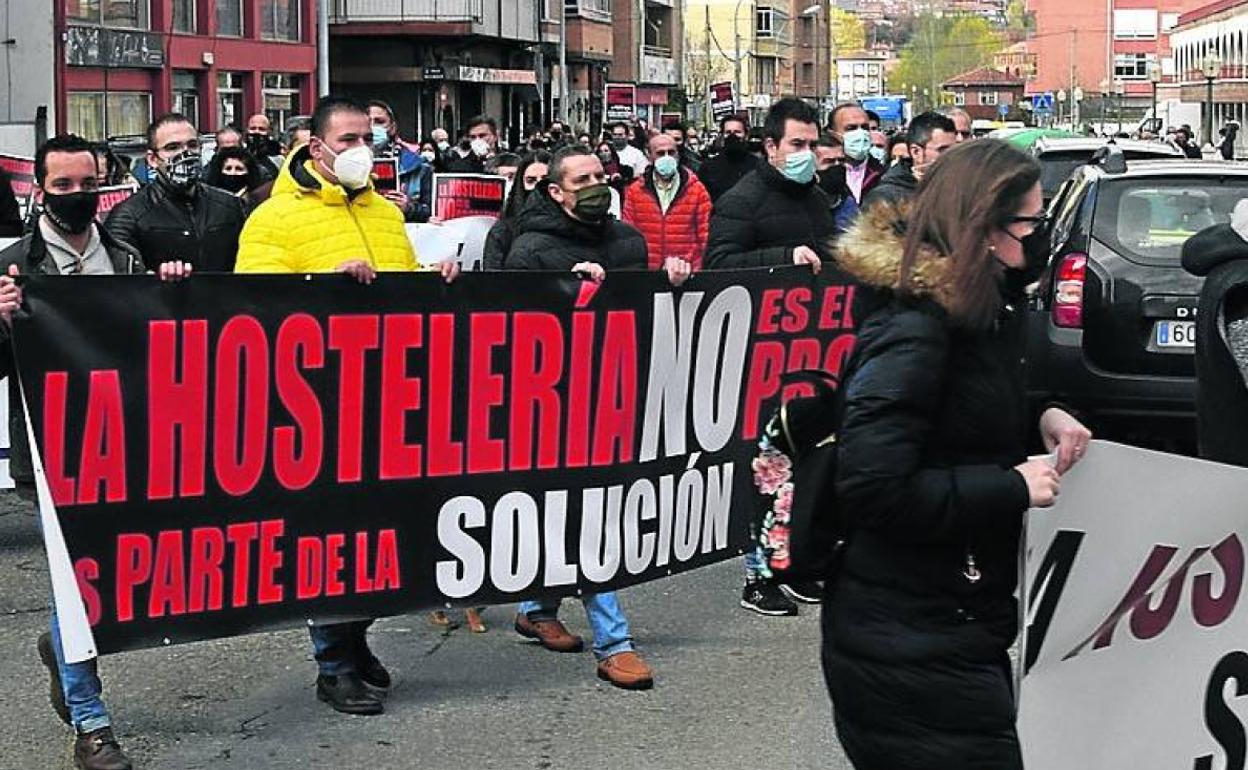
(621, 102)
(114, 48)
(497, 76)
(434, 73)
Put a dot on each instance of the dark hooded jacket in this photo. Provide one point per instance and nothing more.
(162, 224)
(1220, 256)
(31, 256)
(548, 239)
(917, 625)
(722, 172)
(898, 184)
(762, 219)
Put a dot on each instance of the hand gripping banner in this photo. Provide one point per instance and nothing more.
(236, 453)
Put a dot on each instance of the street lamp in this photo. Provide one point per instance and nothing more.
(1154, 75)
(1211, 68)
(1104, 84)
(1075, 115)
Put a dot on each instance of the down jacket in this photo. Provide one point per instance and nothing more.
(309, 225)
(682, 230)
(917, 625)
(764, 217)
(549, 239)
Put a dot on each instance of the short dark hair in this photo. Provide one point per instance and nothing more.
(482, 120)
(621, 124)
(383, 106)
(228, 128)
(842, 107)
(168, 118)
(724, 121)
(69, 143)
(788, 108)
(919, 132)
(555, 171)
(829, 140)
(500, 160)
(327, 107)
(872, 115)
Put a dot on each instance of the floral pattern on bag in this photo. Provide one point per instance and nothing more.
(773, 476)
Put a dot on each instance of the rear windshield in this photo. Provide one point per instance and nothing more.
(1056, 167)
(1148, 220)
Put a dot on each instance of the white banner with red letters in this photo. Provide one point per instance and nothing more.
(1136, 647)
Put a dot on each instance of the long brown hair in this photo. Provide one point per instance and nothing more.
(972, 190)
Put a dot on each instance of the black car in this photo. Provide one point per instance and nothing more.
(1113, 317)
(1060, 156)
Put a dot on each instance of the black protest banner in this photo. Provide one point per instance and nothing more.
(235, 453)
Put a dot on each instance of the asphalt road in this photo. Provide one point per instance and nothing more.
(733, 690)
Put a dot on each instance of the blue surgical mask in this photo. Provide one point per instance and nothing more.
(666, 166)
(857, 144)
(380, 137)
(800, 167)
(879, 153)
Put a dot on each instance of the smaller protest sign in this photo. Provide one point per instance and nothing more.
(468, 195)
(21, 171)
(723, 100)
(110, 197)
(621, 101)
(386, 175)
(670, 120)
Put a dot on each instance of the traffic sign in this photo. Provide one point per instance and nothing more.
(1043, 102)
(1003, 110)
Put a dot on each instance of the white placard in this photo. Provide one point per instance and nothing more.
(1135, 616)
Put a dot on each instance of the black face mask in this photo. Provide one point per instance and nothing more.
(833, 181)
(233, 182)
(734, 146)
(72, 212)
(1035, 257)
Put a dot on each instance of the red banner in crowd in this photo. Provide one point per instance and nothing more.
(468, 195)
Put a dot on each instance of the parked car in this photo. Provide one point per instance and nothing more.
(1060, 156)
(1113, 315)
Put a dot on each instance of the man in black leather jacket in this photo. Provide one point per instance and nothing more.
(178, 217)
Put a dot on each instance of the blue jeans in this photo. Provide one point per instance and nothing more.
(339, 646)
(606, 618)
(756, 565)
(81, 684)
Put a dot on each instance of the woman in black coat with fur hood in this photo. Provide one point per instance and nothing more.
(933, 469)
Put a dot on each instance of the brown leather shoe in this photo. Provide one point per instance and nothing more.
(551, 633)
(472, 616)
(626, 670)
(99, 750)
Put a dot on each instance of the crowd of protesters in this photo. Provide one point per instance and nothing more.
(933, 439)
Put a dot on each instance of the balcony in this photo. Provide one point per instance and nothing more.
(404, 11)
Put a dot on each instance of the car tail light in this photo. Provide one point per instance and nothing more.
(1068, 291)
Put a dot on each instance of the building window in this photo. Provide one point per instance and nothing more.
(230, 18)
(184, 16)
(1132, 66)
(766, 81)
(598, 10)
(121, 14)
(186, 95)
(229, 99)
(1135, 24)
(96, 116)
(281, 98)
(959, 98)
(988, 98)
(808, 74)
(763, 19)
(279, 19)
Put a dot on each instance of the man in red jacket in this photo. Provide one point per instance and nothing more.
(670, 207)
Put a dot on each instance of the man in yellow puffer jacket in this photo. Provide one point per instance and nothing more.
(324, 216)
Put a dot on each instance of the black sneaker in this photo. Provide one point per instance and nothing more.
(99, 750)
(766, 598)
(806, 593)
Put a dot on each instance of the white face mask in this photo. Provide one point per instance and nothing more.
(353, 166)
(480, 147)
(428, 155)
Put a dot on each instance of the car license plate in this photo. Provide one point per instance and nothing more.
(1175, 334)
